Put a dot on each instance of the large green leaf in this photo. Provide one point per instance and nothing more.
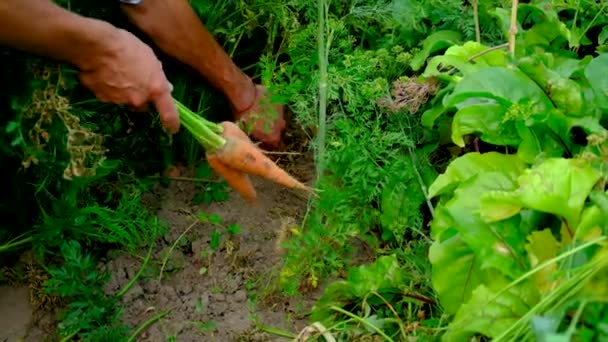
(508, 108)
(558, 186)
(596, 72)
(383, 276)
(466, 58)
(593, 218)
(433, 43)
(455, 272)
(471, 164)
(489, 315)
(564, 92)
(542, 135)
(542, 246)
(442, 222)
(498, 245)
(603, 36)
(545, 35)
(503, 84)
(487, 119)
(430, 115)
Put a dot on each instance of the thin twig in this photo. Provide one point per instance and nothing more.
(420, 298)
(390, 307)
(14, 243)
(476, 19)
(162, 268)
(282, 153)
(322, 87)
(186, 179)
(363, 321)
(513, 30)
(488, 50)
(479, 54)
(145, 325)
(132, 282)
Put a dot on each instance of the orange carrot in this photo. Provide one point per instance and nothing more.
(232, 154)
(238, 180)
(242, 155)
(233, 130)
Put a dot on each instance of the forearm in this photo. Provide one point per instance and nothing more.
(176, 29)
(41, 27)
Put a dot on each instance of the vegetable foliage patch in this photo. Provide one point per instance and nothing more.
(463, 152)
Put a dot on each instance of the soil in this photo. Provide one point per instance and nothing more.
(222, 294)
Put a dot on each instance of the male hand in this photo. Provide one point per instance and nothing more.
(127, 72)
(264, 121)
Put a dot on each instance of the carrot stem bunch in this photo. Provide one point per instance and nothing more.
(203, 130)
(232, 154)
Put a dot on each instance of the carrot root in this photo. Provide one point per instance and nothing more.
(231, 129)
(249, 159)
(239, 157)
(238, 180)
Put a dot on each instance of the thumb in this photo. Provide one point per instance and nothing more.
(168, 112)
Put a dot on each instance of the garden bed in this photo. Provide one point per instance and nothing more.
(458, 153)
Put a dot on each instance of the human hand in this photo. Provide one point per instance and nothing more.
(263, 121)
(128, 72)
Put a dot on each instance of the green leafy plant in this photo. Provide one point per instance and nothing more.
(517, 231)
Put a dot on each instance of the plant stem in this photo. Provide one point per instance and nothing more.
(212, 126)
(423, 186)
(322, 88)
(139, 273)
(363, 321)
(476, 20)
(147, 324)
(69, 337)
(162, 268)
(488, 50)
(513, 29)
(390, 307)
(203, 130)
(186, 179)
(10, 245)
(276, 331)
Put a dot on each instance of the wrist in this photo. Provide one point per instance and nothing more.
(242, 96)
(88, 39)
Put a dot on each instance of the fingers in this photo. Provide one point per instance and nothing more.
(168, 111)
(139, 109)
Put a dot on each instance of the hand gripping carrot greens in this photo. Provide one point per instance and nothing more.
(232, 154)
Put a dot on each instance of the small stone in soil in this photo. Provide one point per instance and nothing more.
(167, 296)
(134, 292)
(198, 246)
(175, 327)
(240, 296)
(151, 286)
(184, 289)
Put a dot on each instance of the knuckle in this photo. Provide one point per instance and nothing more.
(156, 89)
(159, 87)
(102, 98)
(136, 100)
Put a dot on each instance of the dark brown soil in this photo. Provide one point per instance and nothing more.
(221, 294)
(224, 294)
